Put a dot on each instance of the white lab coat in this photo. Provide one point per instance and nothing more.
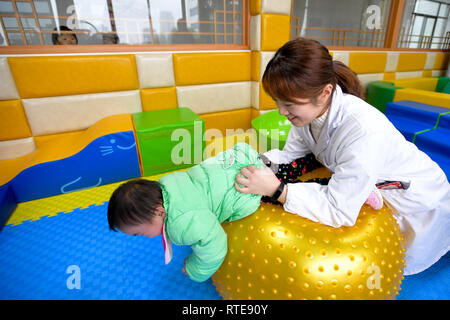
(361, 147)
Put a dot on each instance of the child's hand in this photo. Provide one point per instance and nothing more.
(257, 181)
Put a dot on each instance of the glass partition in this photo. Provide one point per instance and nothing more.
(134, 22)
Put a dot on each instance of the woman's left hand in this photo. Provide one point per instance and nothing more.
(257, 181)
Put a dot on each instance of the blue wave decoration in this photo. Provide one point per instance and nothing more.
(105, 160)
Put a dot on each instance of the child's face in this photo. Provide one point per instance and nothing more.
(67, 39)
(303, 111)
(149, 229)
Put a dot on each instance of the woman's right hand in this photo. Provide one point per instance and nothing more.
(257, 181)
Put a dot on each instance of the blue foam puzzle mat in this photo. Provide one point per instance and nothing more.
(44, 259)
(431, 284)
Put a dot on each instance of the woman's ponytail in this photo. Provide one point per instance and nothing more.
(301, 68)
(347, 79)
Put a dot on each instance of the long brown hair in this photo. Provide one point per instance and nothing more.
(301, 68)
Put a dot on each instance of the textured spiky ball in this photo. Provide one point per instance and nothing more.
(273, 254)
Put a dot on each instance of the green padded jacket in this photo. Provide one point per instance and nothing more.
(198, 200)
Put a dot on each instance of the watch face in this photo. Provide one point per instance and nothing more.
(265, 160)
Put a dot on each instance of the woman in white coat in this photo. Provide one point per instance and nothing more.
(358, 144)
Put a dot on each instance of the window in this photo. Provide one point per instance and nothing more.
(425, 25)
(132, 22)
(361, 23)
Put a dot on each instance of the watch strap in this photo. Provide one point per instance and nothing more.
(278, 192)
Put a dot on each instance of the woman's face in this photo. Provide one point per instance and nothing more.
(302, 112)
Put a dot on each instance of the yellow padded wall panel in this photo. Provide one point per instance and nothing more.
(159, 99)
(411, 61)
(256, 65)
(50, 76)
(441, 61)
(367, 62)
(255, 7)
(42, 140)
(428, 97)
(389, 76)
(428, 84)
(13, 121)
(255, 113)
(275, 31)
(427, 73)
(205, 68)
(265, 101)
(234, 119)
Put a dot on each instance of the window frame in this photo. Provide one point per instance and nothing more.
(392, 33)
(118, 48)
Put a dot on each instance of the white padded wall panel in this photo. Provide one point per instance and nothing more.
(429, 63)
(367, 78)
(8, 90)
(155, 70)
(391, 62)
(78, 112)
(342, 56)
(215, 97)
(255, 33)
(408, 74)
(11, 149)
(265, 58)
(276, 6)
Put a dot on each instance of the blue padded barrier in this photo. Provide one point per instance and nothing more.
(410, 117)
(436, 143)
(105, 160)
(8, 204)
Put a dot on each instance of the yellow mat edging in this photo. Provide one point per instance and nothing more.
(65, 203)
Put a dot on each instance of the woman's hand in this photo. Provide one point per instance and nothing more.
(257, 181)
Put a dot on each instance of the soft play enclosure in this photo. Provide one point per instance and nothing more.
(75, 126)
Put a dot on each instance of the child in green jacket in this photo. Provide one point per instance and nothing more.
(188, 208)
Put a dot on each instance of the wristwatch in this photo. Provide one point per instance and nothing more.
(265, 160)
(273, 166)
(278, 192)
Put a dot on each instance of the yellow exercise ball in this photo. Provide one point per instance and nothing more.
(273, 254)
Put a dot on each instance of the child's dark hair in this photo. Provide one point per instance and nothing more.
(133, 203)
(301, 68)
